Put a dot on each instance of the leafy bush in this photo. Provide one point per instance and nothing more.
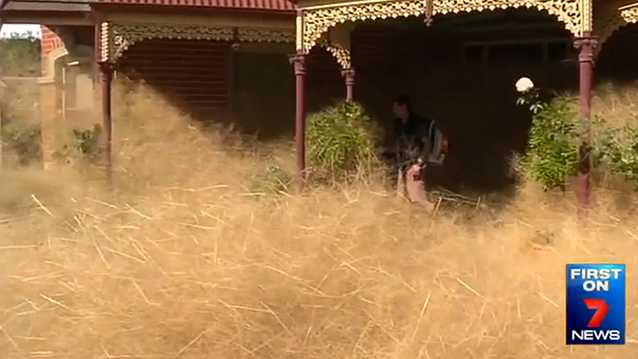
(85, 143)
(20, 55)
(341, 143)
(25, 141)
(88, 142)
(556, 132)
(617, 150)
(551, 155)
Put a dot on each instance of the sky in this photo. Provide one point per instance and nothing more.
(7, 30)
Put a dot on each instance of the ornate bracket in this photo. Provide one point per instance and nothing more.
(126, 35)
(630, 14)
(611, 18)
(312, 22)
(340, 53)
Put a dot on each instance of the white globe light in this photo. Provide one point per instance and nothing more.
(524, 84)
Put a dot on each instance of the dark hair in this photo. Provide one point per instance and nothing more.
(404, 100)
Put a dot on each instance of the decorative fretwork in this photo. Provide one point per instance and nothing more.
(610, 18)
(254, 34)
(340, 53)
(429, 12)
(586, 18)
(105, 42)
(299, 23)
(126, 35)
(318, 20)
(630, 15)
(606, 21)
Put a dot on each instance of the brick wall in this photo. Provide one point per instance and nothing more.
(48, 95)
(50, 41)
(48, 105)
(192, 74)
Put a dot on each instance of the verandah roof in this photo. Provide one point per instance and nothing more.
(263, 5)
(276, 5)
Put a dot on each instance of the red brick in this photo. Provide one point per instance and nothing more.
(50, 41)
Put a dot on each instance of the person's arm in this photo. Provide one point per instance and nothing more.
(425, 137)
(427, 148)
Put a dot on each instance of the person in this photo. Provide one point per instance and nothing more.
(409, 130)
(414, 139)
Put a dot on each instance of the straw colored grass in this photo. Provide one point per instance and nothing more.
(617, 105)
(182, 261)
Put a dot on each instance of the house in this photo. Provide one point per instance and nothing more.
(460, 58)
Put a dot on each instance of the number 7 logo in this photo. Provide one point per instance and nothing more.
(601, 311)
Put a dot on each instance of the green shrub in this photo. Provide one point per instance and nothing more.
(20, 55)
(556, 132)
(617, 150)
(85, 143)
(552, 156)
(341, 143)
(22, 140)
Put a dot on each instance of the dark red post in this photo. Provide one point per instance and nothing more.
(586, 46)
(299, 63)
(348, 74)
(106, 75)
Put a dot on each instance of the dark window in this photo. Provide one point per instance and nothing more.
(474, 54)
(515, 54)
(557, 51)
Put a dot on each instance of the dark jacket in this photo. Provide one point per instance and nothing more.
(409, 134)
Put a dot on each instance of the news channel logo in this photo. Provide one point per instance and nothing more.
(595, 304)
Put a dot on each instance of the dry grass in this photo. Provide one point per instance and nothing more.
(183, 262)
(617, 105)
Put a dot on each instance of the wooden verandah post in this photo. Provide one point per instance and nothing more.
(298, 60)
(106, 74)
(348, 75)
(299, 63)
(106, 68)
(586, 46)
